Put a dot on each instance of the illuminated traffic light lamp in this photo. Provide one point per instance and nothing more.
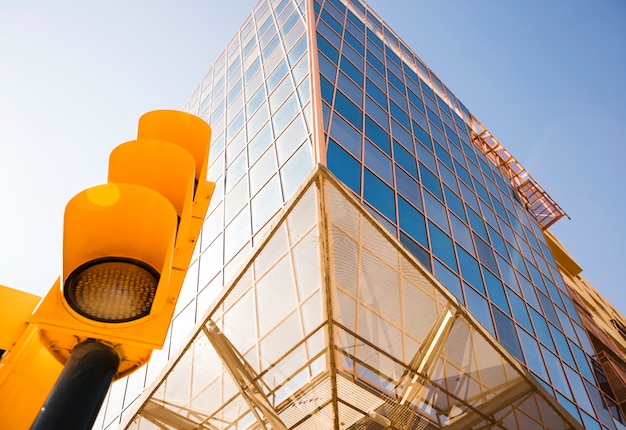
(118, 244)
(126, 248)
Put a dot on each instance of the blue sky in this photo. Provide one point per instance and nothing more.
(546, 78)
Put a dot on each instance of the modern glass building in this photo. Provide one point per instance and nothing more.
(372, 258)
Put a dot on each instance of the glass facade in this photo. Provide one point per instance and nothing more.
(405, 145)
(303, 340)
(326, 81)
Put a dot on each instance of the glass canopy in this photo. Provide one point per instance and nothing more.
(331, 323)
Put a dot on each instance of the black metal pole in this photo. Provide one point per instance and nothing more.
(76, 397)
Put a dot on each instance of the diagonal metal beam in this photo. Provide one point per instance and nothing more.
(413, 382)
(161, 416)
(516, 390)
(244, 376)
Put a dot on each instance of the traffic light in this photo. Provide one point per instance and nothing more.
(126, 248)
(127, 244)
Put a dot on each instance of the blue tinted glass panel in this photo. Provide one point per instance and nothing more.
(327, 49)
(481, 191)
(349, 110)
(378, 162)
(548, 309)
(376, 112)
(430, 181)
(470, 270)
(352, 18)
(418, 120)
(463, 174)
(344, 166)
(343, 133)
(423, 136)
(452, 136)
(520, 312)
(570, 407)
(416, 100)
(541, 329)
(495, 290)
(327, 90)
(533, 355)
(449, 279)
(485, 253)
(412, 221)
(582, 400)
(350, 89)
(426, 157)
(354, 43)
(449, 179)
(556, 372)
(583, 363)
(379, 195)
(443, 155)
(390, 54)
(434, 118)
(436, 212)
(377, 135)
(373, 91)
(407, 186)
(327, 68)
(442, 245)
(405, 159)
(497, 241)
(332, 22)
(462, 234)
(376, 63)
(562, 346)
(507, 334)
(454, 203)
(479, 307)
(395, 81)
(477, 223)
(437, 135)
(351, 70)
(422, 255)
(372, 37)
(399, 115)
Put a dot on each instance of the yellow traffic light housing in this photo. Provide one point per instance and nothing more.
(15, 310)
(118, 243)
(127, 244)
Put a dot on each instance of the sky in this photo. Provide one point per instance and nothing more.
(546, 78)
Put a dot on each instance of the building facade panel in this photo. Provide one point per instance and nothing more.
(406, 146)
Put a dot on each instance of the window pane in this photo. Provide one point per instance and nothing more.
(470, 270)
(412, 221)
(265, 204)
(379, 195)
(507, 334)
(442, 245)
(296, 169)
(344, 166)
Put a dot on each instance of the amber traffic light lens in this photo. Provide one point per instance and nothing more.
(112, 289)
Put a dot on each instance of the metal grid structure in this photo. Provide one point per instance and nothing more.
(545, 209)
(302, 340)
